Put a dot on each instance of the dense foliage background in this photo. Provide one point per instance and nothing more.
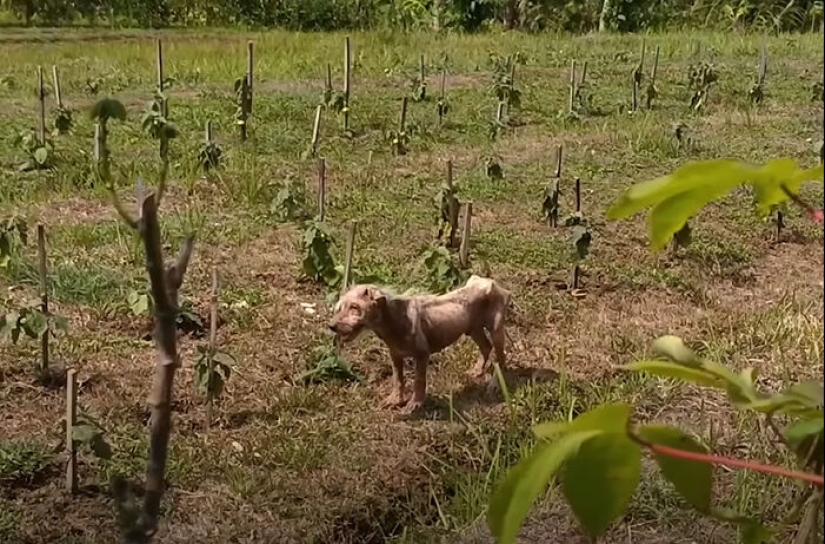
(466, 15)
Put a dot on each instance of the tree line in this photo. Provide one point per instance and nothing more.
(576, 16)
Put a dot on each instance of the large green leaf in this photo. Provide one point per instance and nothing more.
(600, 479)
(667, 369)
(690, 176)
(108, 108)
(676, 197)
(605, 418)
(692, 479)
(513, 497)
(670, 216)
(674, 348)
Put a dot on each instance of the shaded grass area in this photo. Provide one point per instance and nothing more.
(322, 463)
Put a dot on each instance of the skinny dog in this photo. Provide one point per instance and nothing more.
(418, 326)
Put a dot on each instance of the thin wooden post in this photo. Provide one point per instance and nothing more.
(464, 250)
(213, 343)
(572, 86)
(576, 274)
(559, 149)
(250, 66)
(653, 71)
(328, 85)
(500, 113)
(780, 224)
(208, 132)
(71, 419)
(350, 250)
(58, 97)
(584, 74)
(316, 128)
(97, 148)
(453, 203)
(41, 94)
(347, 59)
(578, 196)
(160, 64)
(441, 95)
(402, 121)
(421, 74)
(322, 188)
(634, 96)
(44, 295)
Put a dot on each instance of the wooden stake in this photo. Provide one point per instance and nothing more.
(44, 295)
(71, 419)
(213, 343)
(402, 121)
(584, 74)
(453, 211)
(98, 144)
(576, 273)
(250, 66)
(41, 93)
(441, 94)
(316, 128)
(464, 250)
(780, 224)
(572, 86)
(500, 113)
(208, 132)
(322, 188)
(57, 95)
(348, 256)
(160, 65)
(347, 59)
(559, 149)
(578, 195)
(421, 74)
(329, 77)
(653, 71)
(634, 96)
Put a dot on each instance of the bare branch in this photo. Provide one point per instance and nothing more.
(164, 285)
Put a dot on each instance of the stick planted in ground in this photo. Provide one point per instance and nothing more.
(44, 296)
(165, 282)
(350, 251)
(71, 420)
(322, 188)
(464, 250)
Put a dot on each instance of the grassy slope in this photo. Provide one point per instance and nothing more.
(323, 463)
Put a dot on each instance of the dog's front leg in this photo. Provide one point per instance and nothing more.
(419, 383)
(396, 397)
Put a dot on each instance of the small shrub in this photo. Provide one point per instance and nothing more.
(318, 264)
(701, 77)
(329, 366)
(40, 155)
(290, 203)
(442, 272)
(22, 461)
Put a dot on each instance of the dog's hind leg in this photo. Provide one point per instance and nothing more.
(484, 348)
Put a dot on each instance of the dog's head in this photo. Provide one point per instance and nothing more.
(358, 308)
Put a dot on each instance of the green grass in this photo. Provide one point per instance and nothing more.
(323, 461)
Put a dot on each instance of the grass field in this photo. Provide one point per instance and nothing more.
(323, 463)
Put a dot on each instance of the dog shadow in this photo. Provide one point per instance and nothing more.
(485, 391)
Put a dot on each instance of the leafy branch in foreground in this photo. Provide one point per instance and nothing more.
(675, 198)
(601, 450)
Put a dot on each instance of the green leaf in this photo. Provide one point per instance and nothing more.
(41, 155)
(800, 430)
(750, 530)
(675, 349)
(600, 479)
(692, 479)
(84, 434)
(512, 498)
(604, 418)
(667, 369)
(34, 324)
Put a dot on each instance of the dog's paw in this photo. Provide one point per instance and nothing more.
(393, 400)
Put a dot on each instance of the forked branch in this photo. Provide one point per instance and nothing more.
(165, 284)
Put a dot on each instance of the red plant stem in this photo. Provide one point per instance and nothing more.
(814, 479)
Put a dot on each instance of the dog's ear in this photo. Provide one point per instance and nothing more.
(377, 296)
